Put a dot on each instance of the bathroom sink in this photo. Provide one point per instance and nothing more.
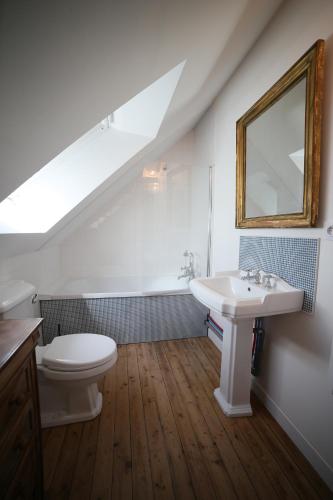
(237, 302)
(233, 297)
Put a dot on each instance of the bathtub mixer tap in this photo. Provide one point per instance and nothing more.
(188, 268)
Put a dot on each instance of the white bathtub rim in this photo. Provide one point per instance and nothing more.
(142, 287)
(107, 295)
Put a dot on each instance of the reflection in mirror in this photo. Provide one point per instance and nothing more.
(275, 157)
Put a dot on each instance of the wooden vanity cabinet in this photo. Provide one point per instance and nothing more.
(21, 469)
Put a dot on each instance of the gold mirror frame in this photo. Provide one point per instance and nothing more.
(310, 65)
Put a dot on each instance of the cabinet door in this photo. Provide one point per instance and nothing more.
(12, 400)
(25, 486)
(18, 443)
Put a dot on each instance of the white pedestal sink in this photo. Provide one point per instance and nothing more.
(238, 302)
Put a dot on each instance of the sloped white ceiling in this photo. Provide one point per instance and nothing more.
(65, 65)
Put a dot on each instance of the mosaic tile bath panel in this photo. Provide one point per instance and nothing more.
(126, 319)
(293, 259)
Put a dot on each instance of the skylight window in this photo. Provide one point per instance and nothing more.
(40, 202)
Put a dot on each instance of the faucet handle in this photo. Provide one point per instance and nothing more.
(247, 276)
(266, 280)
(257, 276)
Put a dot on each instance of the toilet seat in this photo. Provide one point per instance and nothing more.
(77, 353)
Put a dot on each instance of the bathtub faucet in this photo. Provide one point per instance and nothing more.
(188, 269)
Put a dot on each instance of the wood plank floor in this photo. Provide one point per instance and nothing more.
(161, 435)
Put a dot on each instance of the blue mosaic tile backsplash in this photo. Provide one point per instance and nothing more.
(293, 259)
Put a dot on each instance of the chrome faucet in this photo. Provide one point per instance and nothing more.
(247, 276)
(255, 276)
(259, 278)
(189, 268)
(266, 281)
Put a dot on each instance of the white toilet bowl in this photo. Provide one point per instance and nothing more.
(68, 371)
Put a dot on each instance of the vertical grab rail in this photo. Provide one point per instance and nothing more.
(210, 214)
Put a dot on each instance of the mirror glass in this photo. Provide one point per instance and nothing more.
(275, 143)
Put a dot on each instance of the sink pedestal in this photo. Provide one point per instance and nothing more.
(233, 395)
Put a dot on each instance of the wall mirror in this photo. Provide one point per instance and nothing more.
(278, 149)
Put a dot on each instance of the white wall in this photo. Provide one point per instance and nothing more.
(41, 268)
(133, 230)
(144, 229)
(297, 371)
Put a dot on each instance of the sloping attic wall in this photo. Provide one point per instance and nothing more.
(64, 66)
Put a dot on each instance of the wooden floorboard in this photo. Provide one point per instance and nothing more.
(84, 468)
(247, 477)
(162, 435)
(298, 478)
(102, 474)
(122, 455)
(215, 463)
(141, 469)
(294, 453)
(181, 480)
(161, 474)
(51, 451)
(198, 470)
(62, 479)
(258, 465)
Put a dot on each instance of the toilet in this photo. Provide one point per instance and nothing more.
(68, 368)
(68, 371)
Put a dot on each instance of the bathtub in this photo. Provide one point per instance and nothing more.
(127, 309)
(118, 286)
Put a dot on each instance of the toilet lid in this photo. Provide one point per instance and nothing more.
(79, 351)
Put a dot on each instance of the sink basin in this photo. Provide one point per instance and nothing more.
(233, 297)
(237, 302)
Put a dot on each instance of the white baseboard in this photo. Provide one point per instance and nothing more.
(317, 461)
